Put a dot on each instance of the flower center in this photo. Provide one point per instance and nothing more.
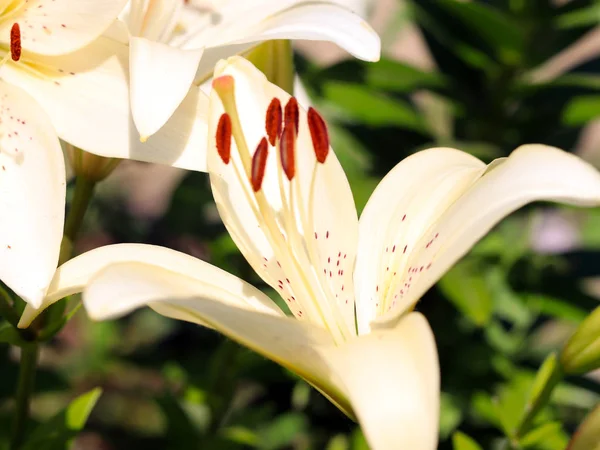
(296, 269)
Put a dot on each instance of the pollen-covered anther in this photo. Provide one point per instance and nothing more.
(223, 137)
(287, 148)
(15, 42)
(273, 121)
(292, 114)
(259, 163)
(318, 134)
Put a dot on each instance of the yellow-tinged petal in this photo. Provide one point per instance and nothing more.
(531, 173)
(55, 27)
(75, 274)
(392, 380)
(302, 240)
(86, 94)
(32, 195)
(322, 21)
(292, 343)
(160, 78)
(409, 198)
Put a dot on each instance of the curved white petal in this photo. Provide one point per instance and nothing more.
(322, 21)
(300, 237)
(32, 195)
(75, 274)
(293, 344)
(530, 173)
(160, 78)
(405, 203)
(86, 95)
(55, 27)
(392, 379)
(153, 19)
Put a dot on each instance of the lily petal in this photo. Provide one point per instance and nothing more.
(321, 21)
(160, 78)
(392, 379)
(75, 274)
(61, 26)
(408, 199)
(32, 195)
(286, 228)
(86, 95)
(287, 341)
(154, 19)
(531, 173)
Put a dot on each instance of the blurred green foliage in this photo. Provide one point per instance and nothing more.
(497, 315)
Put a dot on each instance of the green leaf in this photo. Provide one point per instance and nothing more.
(549, 436)
(581, 354)
(10, 335)
(581, 110)
(546, 379)
(469, 291)
(58, 433)
(282, 431)
(587, 436)
(451, 414)
(582, 17)
(400, 77)
(358, 103)
(556, 307)
(492, 26)
(461, 441)
(180, 428)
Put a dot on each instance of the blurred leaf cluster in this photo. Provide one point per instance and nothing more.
(501, 73)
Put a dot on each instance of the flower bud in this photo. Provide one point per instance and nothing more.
(89, 166)
(581, 354)
(587, 435)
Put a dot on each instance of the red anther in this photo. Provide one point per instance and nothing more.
(288, 156)
(223, 137)
(259, 163)
(273, 121)
(292, 115)
(318, 134)
(15, 42)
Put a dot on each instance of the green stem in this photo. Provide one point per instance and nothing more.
(84, 190)
(29, 357)
(222, 376)
(540, 401)
(6, 307)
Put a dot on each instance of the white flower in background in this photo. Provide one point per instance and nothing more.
(175, 42)
(32, 195)
(351, 285)
(72, 57)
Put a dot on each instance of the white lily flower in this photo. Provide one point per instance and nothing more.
(72, 57)
(176, 41)
(32, 195)
(351, 285)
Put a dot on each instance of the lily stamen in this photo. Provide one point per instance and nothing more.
(15, 42)
(259, 163)
(318, 134)
(225, 88)
(292, 114)
(273, 121)
(223, 138)
(287, 151)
